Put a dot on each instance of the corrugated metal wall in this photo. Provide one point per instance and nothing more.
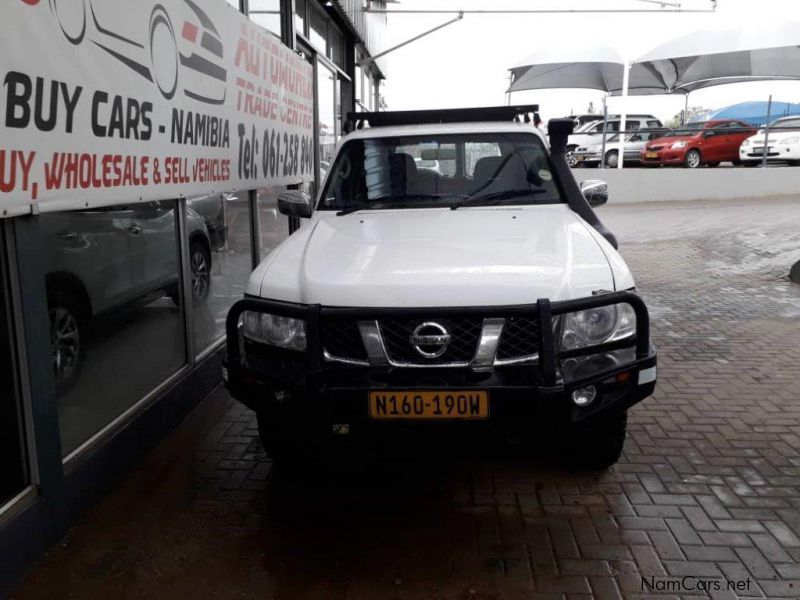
(370, 27)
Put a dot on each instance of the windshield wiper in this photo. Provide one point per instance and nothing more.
(495, 198)
(392, 202)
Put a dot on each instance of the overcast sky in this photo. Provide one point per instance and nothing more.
(465, 64)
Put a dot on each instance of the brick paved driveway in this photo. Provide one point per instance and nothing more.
(709, 485)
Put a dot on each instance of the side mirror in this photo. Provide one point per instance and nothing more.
(708, 134)
(294, 203)
(595, 192)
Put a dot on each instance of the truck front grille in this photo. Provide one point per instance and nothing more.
(341, 339)
(518, 342)
(464, 337)
(520, 338)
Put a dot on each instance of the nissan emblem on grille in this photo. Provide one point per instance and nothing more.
(430, 340)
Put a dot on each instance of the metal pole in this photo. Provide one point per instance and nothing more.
(623, 117)
(605, 131)
(685, 111)
(766, 133)
(371, 59)
(559, 11)
(510, 82)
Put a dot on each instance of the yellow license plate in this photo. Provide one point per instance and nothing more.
(428, 405)
(651, 154)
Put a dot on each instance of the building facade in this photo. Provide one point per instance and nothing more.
(112, 317)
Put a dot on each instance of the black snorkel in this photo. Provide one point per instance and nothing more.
(559, 130)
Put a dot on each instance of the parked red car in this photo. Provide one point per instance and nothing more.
(695, 144)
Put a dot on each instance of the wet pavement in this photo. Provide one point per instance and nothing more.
(707, 491)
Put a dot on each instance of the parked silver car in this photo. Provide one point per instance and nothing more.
(592, 133)
(103, 258)
(590, 156)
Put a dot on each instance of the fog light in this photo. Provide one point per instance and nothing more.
(584, 396)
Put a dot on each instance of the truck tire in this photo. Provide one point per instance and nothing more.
(597, 443)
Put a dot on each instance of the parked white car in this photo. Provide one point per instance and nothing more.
(783, 140)
(416, 304)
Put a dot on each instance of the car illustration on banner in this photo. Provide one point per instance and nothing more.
(161, 56)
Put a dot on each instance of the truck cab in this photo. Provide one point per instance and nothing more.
(483, 297)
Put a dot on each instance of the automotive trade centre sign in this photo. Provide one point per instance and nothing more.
(114, 101)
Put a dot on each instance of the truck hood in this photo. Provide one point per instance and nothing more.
(437, 257)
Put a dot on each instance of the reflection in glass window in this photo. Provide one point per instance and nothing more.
(116, 324)
(266, 13)
(474, 151)
(370, 92)
(336, 43)
(273, 226)
(300, 16)
(326, 85)
(357, 80)
(220, 263)
(13, 465)
(318, 31)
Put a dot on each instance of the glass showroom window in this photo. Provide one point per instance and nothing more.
(116, 323)
(336, 46)
(326, 86)
(358, 80)
(300, 16)
(220, 260)
(266, 13)
(13, 466)
(318, 30)
(273, 226)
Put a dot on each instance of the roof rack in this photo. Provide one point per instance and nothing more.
(519, 113)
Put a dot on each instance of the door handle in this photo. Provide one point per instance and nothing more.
(68, 235)
(134, 229)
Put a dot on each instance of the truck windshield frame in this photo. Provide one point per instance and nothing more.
(391, 172)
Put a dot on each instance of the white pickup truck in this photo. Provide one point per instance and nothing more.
(484, 298)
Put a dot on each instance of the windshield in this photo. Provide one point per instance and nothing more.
(785, 123)
(383, 173)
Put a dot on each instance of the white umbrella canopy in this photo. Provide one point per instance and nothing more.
(747, 52)
(596, 67)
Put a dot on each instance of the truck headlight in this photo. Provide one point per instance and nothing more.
(597, 326)
(747, 142)
(274, 330)
(790, 141)
(678, 145)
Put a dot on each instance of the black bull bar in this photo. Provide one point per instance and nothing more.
(545, 310)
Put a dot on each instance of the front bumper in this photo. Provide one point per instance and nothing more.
(776, 152)
(664, 156)
(306, 398)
